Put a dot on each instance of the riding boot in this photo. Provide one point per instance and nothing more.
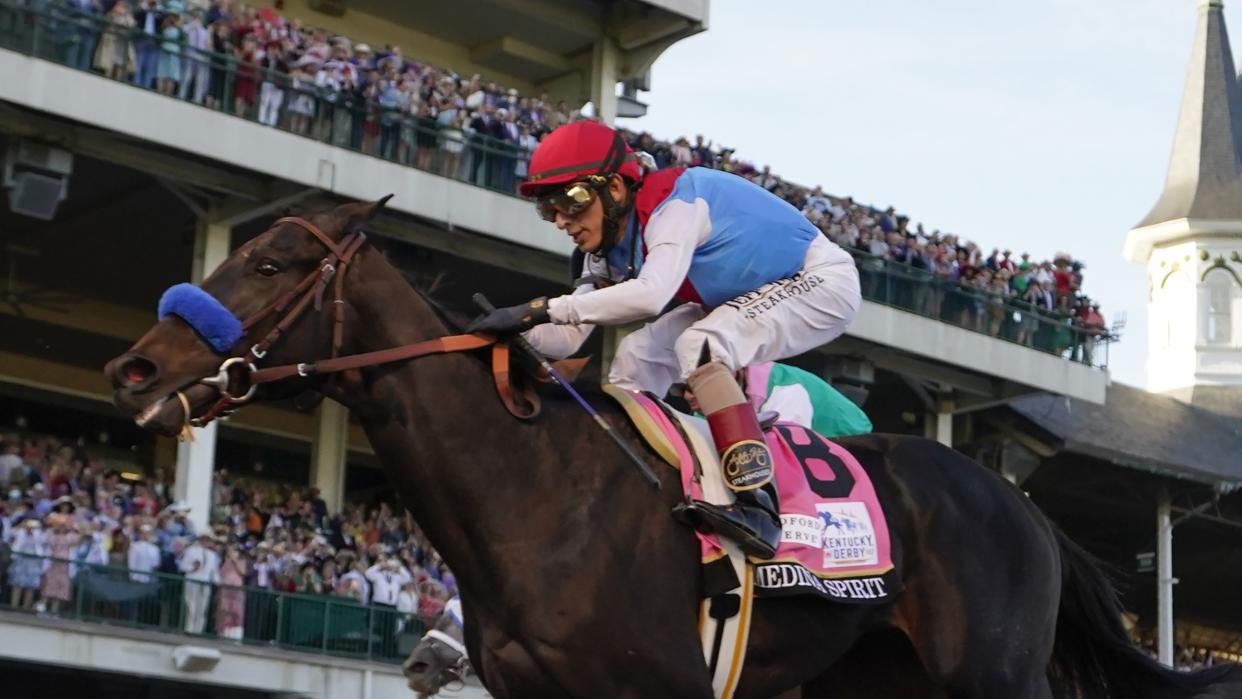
(753, 521)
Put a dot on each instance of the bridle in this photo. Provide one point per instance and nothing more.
(310, 292)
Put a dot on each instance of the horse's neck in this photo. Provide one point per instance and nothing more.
(437, 426)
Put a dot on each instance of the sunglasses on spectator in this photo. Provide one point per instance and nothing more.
(570, 202)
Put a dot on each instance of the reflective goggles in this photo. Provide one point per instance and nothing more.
(569, 202)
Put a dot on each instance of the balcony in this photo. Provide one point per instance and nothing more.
(462, 185)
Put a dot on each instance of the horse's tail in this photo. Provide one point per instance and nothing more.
(1093, 656)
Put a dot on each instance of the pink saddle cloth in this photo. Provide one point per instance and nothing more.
(835, 541)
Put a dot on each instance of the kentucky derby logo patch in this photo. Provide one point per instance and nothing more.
(849, 537)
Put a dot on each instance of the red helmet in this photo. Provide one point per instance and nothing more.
(576, 151)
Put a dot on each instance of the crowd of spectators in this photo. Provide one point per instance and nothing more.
(1035, 303)
(66, 515)
(257, 63)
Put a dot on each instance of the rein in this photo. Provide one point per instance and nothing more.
(331, 270)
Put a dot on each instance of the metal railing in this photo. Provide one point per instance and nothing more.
(325, 624)
(919, 291)
(344, 118)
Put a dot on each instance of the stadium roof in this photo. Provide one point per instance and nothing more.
(1205, 169)
(1147, 431)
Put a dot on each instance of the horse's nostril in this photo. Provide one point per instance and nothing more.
(417, 668)
(137, 370)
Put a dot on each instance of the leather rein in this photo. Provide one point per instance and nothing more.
(310, 292)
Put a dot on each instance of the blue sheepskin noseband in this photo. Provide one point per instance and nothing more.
(209, 318)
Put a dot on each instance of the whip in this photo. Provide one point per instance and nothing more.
(523, 344)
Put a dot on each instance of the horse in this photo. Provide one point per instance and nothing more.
(575, 578)
(439, 658)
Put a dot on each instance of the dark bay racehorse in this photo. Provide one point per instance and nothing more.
(576, 580)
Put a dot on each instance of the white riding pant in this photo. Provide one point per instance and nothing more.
(778, 320)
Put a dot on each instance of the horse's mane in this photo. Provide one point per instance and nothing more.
(424, 284)
(454, 319)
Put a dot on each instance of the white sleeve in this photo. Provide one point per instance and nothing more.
(672, 235)
(560, 341)
(793, 402)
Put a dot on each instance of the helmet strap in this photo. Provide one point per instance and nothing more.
(614, 212)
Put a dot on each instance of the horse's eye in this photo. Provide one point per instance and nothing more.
(268, 268)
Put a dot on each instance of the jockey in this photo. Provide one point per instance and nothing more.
(756, 280)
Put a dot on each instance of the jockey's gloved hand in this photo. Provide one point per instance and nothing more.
(512, 318)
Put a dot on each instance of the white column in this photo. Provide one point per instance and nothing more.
(938, 423)
(1164, 580)
(944, 428)
(196, 460)
(605, 58)
(328, 453)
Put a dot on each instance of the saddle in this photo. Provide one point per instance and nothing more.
(835, 543)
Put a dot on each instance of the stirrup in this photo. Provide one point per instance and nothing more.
(750, 527)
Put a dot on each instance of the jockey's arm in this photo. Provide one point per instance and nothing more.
(672, 234)
(560, 341)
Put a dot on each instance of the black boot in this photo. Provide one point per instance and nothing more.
(752, 522)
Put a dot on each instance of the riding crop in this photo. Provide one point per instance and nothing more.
(523, 344)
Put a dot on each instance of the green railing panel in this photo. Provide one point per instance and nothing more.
(918, 291)
(324, 624)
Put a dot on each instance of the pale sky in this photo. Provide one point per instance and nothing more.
(1038, 126)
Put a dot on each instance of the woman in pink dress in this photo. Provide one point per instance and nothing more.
(57, 584)
(231, 600)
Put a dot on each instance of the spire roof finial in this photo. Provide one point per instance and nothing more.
(1205, 169)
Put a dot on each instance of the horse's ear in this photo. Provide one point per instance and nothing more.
(356, 215)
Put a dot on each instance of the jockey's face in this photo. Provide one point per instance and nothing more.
(587, 227)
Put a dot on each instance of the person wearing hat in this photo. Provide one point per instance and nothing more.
(59, 543)
(26, 571)
(1094, 326)
(64, 505)
(387, 577)
(364, 58)
(757, 280)
(201, 566)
